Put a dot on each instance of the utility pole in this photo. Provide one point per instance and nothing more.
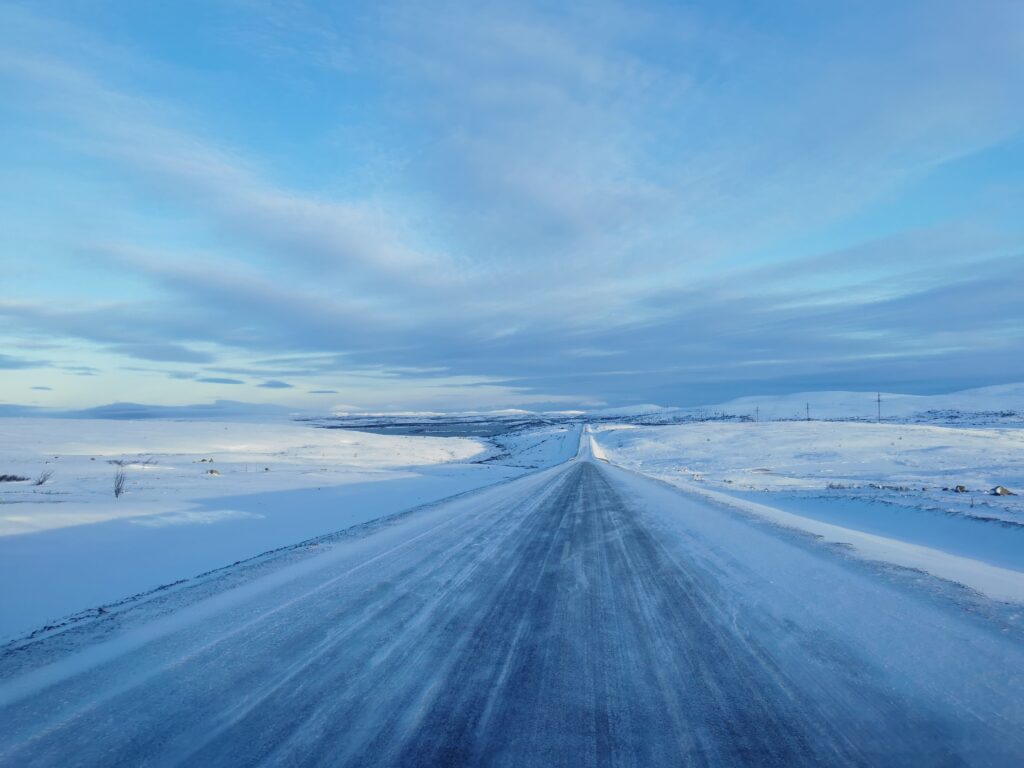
(808, 411)
(757, 413)
(879, 407)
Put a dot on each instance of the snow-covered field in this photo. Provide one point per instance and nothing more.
(597, 570)
(812, 455)
(581, 615)
(200, 495)
(986, 405)
(894, 481)
(1000, 406)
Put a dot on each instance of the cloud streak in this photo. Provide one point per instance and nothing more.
(623, 205)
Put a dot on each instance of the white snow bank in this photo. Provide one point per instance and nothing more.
(990, 580)
(876, 487)
(69, 544)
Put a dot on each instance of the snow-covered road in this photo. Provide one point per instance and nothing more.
(581, 615)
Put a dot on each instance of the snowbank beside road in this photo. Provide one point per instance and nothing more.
(198, 496)
(998, 583)
(876, 487)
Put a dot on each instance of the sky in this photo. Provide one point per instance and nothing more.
(464, 206)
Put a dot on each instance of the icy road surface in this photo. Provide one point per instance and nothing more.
(581, 615)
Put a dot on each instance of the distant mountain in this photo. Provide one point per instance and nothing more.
(644, 409)
(1002, 404)
(219, 410)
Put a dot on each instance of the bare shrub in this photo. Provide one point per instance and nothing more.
(143, 462)
(45, 475)
(119, 481)
(12, 478)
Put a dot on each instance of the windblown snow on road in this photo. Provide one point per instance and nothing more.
(580, 615)
(202, 495)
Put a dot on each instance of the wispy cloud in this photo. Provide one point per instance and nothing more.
(218, 380)
(526, 202)
(7, 362)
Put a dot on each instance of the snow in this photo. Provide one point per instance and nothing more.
(864, 405)
(995, 582)
(494, 626)
(595, 450)
(629, 410)
(168, 465)
(816, 455)
(535, 447)
(876, 487)
(1001, 405)
(70, 545)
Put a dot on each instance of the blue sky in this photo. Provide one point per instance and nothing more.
(474, 205)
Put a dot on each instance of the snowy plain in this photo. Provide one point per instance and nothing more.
(578, 615)
(918, 495)
(1000, 405)
(200, 495)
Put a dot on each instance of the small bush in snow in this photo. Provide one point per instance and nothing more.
(143, 462)
(119, 480)
(45, 475)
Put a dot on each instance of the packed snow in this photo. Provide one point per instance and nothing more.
(199, 495)
(885, 489)
(579, 615)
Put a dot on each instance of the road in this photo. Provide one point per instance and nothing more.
(579, 616)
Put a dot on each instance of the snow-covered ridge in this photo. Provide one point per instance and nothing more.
(988, 406)
(867, 405)
(1002, 404)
